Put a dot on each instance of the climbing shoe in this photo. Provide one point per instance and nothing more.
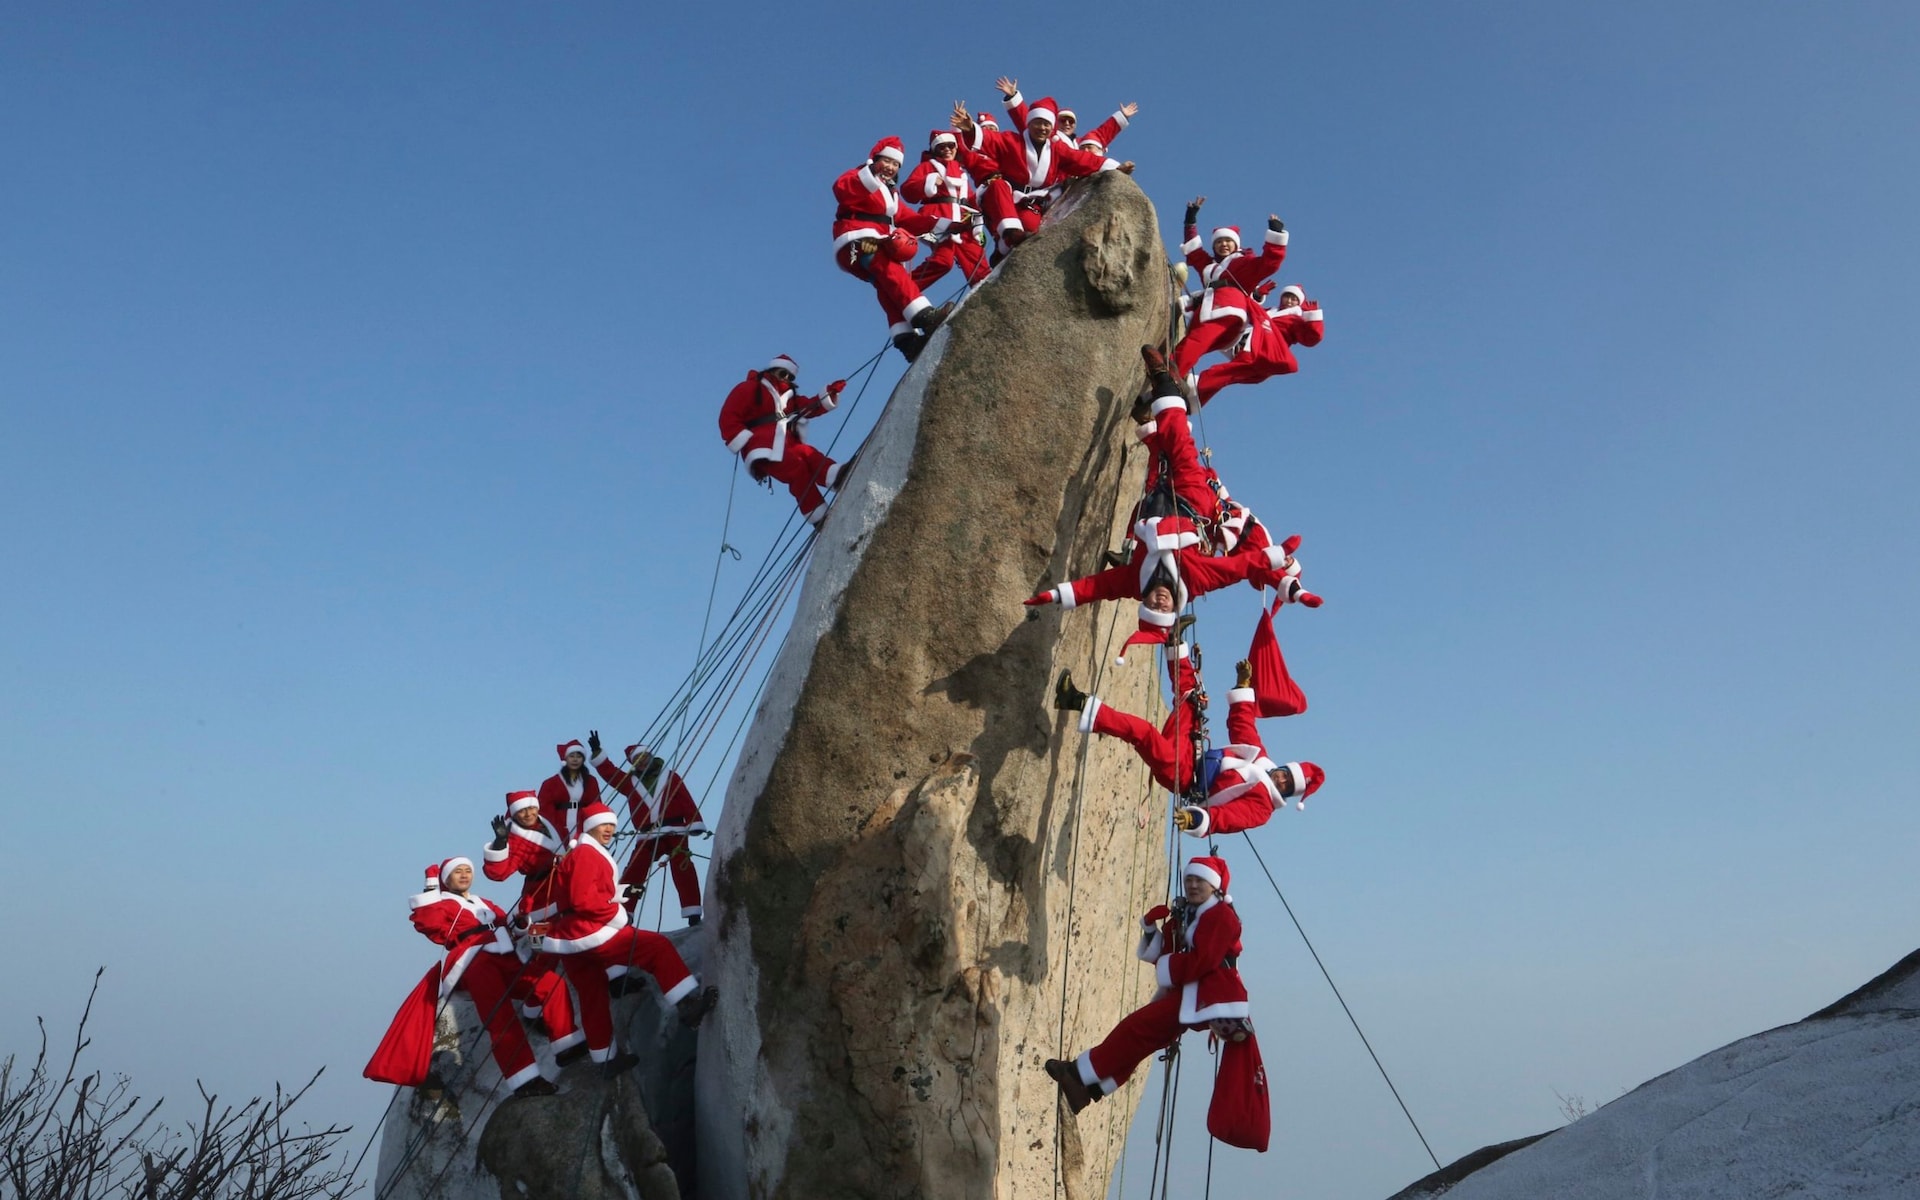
(536, 1086)
(909, 344)
(1181, 624)
(571, 1055)
(1066, 697)
(693, 1009)
(1067, 1075)
(929, 319)
(619, 1064)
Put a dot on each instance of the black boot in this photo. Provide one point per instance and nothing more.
(909, 344)
(536, 1086)
(929, 319)
(694, 1008)
(1066, 697)
(1159, 375)
(619, 1064)
(1067, 1075)
(1142, 409)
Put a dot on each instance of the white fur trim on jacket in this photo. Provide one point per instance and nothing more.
(1190, 1014)
(1277, 237)
(1086, 714)
(1167, 403)
(1163, 972)
(1245, 695)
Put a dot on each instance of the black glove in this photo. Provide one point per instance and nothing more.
(500, 828)
(631, 893)
(593, 742)
(1193, 214)
(1276, 224)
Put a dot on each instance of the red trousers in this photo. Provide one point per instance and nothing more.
(1003, 215)
(893, 286)
(679, 865)
(1168, 750)
(637, 950)
(805, 471)
(542, 994)
(1217, 334)
(487, 981)
(1241, 368)
(960, 248)
(1140, 1034)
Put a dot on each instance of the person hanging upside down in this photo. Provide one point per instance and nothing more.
(664, 817)
(481, 961)
(875, 237)
(1195, 951)
(1163, 427)
(764, 422)
(942, 188)
(563, 795)
(1228, 276)
(1024, 168)
(592, 935)
(1267, 348)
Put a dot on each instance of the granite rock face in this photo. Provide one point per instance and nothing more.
(925, 881)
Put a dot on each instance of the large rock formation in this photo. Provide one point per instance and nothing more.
(1824, 1107)
(926, 882)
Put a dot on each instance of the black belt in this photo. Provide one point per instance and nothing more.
(847, 214)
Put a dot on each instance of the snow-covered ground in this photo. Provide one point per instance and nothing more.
(1827, 1107)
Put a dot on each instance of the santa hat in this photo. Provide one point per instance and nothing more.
(1092, 146)
(636, 748)
(1211, 869)
(888, 147)
(566, 748)
(1154, 630)
(984, 119)
(1043, 109)
(519, 800)
(1307, 779)
(783, 362)
(446, 868)
(595, 815)
(1226, 231)
(1293, 289)
(941, 137)
(1067, 112)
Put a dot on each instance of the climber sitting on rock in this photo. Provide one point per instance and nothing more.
(943, 188)
(1266, 349)
(1195, 949)
(664, 816)
(592, 935)
(875, 236)
(1226, 525)
(764, 422)
(1228, 275)
(481, 961)
(1023, 169)
(524, 844)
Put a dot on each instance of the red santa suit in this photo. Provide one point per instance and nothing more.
(1168, 548)
(592, 935)
(561, 801)
(1168, 751)
(874, 237)
(764, 422)
(1266, 349)
(1225, 524)
(662, 821)
(1100, 138)
(1195, 953)
(481, 961)
(1027, 174)
(945, 190)
(1226, 304)
(1245, 791)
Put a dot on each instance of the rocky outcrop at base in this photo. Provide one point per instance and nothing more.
(925, 881)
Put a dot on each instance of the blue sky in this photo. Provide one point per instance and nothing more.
(358, 369)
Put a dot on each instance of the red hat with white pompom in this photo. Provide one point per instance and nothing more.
(1226, 231)
(1211, 869)
(888, 147)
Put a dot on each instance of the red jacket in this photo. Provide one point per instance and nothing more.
(1104, 132)
(940, 188)
(561, 808)
(671, 812)
(869, 208)
(466, 925)
(588, 901)
(532, 853)
(759, 417)
(1029, 170)
(1173, 543)
(1228, 280)
(1244, 793)
(1192, 957)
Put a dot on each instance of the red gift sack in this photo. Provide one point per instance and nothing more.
(1274, 690)
(1239, 1115)
(404, 1053)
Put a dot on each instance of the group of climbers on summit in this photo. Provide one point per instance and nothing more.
(569, 943)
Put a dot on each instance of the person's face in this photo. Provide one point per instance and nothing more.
(1160, 598)
(1224, 246)
(602, 833)
(886, 169)
(781, 376)
(1198, 890)
(1039, 129)
(527, 816)
(945, 151)
(458, 880)
(575, 760)
(1067, 122)
(1291, 299)
(640, 761)
(1284, 778)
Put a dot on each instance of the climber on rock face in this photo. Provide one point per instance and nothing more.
(1229, 275)
(481, 962)
(1195, 949)
(875, 236)
(664, 816)
(524, 843)
(1169, 751)
(1267, 348)
(942, 188)
(1163, 428)
(563, 795)
(764, 421)
(1024, 168)
(592, 935)
(1247, 785)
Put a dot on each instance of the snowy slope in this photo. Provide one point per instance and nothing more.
(1827, 1107)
